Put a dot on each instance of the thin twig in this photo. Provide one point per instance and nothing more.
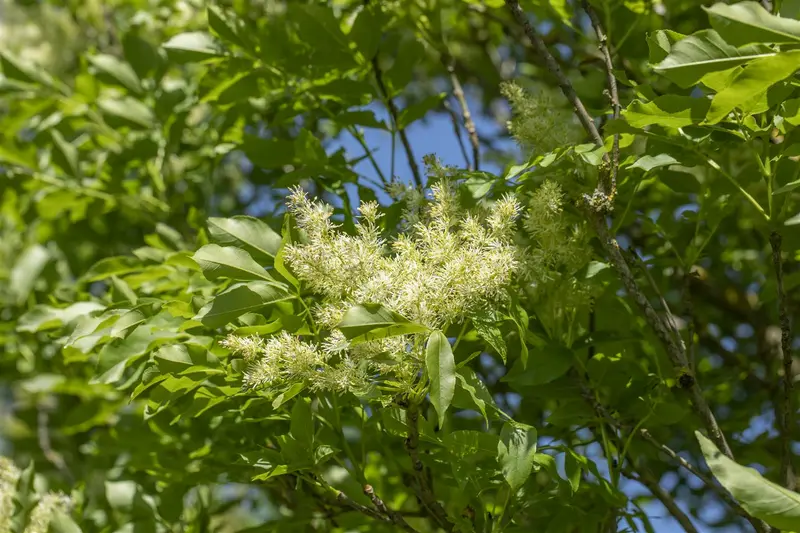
(457, 132)
(381, 506)
(787, 409)
(613, 93)
(469, 124)
(43, 434)
(674, 350)
(393, 112)
(652, 485)
(424, 490)
(343, 498)
(691, 321)
(710, 483)
(552, 65)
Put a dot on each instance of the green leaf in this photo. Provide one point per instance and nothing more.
(748, 22)
(192, 46)
(670, 111)
(473, 445)
(61, 522)
(373, 321)
(16, 68)
(249, 233)
(472, 393)
(128, 110)
(489, 331)
(65, 155)
(792, 221)
(26, 270)
(367, 30)
(705, 51)
(416, 111)
(441, 367)
(544, 365)
(752, 81)
(319, 27)
(649, 162)
(225, 24)
(302, 424)
(44, 317)
(760, 497)
(239, 299)
(515, 453)
(572, 467)
(118, 71)
(228, 262)
(659, 44)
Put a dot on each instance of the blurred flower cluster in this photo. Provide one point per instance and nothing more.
(41, 515)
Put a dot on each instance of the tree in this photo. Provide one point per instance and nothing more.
(226, 309)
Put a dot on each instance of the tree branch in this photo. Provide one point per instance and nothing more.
(709, 482)
(613, 93)
(379, 504)
(457, 131)
(551, 64)
(787, 409)
(43, 435)
(424, 491)
(469, 124)
(652, 485)
(393, 112)
(600, 204)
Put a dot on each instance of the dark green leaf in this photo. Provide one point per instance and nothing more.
(239, 299)
(763, 499)
(249, 233)
(695, 56)
(748, 22)
(441, 371)
(515, 453)
(121, 73)
(373, 321)
(228, 262)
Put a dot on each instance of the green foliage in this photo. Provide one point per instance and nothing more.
(224, 308)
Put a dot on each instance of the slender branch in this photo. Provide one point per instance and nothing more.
(379, 504)
(652, 485)
(469, 124)
(457, 131)
(552, 65)
(424, 490)
(612, 92)
(662, 330)
(787, 409)
(343, 498)
(43, 434)
(710, 483)
(393, 112)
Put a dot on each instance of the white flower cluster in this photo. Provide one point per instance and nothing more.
(541, 122)
(42, 514)
(448, 265)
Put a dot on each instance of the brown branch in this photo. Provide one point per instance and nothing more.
(424, 491)
(393, 112)
(469, 124)
(344, 499)
(709, 482)
(600, 204)
(457, 132)
(613, 93)
(652, 485)
(379, 504)
(43, 434)
(552, 65)
(787, 409)
(662, 330)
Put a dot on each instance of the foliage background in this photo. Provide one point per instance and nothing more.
(116, 150)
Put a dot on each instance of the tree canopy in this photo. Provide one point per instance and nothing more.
(399, 265)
